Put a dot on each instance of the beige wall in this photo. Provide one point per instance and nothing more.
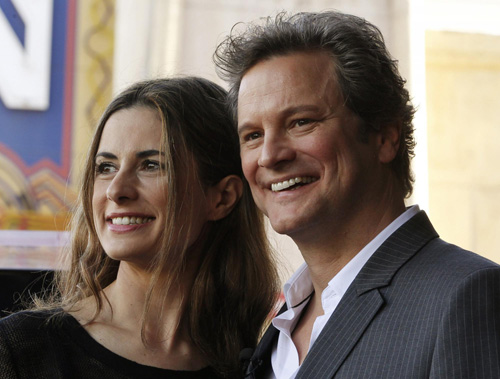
(463, 112)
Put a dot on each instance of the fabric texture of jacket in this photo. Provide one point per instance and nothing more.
(419, 308)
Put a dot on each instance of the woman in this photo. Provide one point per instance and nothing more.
(170, 274)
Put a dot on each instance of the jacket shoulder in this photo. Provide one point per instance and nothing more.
(455, 259)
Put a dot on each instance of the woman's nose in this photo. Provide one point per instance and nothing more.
(122, 187)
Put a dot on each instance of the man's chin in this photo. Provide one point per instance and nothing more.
(285, 227)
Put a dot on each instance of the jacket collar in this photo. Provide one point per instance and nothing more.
(359, 305)
(363, 300)
(394, 253)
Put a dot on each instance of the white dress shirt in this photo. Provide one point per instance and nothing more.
(297, 291)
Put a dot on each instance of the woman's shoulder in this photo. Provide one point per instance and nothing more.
(29, 318)
(25, 318)
(25, 323)
(33, 343)
(28, 325)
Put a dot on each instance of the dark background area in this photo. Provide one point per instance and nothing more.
(17, 286)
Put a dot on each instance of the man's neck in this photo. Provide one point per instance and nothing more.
(327, 254)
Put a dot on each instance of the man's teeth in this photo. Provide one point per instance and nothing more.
(291, 182)
(130, 220)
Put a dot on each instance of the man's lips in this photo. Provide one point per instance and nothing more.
(292, 183)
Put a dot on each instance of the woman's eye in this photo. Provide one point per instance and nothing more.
(104, 168)
(151, 165)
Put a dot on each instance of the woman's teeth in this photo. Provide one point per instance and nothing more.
(130, 220)
(275, 187)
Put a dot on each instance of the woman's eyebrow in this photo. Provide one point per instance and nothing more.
(107, 155)
(140, 154)
(148, 153)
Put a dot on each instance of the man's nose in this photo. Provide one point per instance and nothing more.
(122, 187)
(276, 149)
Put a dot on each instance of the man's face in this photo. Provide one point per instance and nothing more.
(301, 151)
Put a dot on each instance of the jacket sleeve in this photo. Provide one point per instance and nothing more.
(468, 341)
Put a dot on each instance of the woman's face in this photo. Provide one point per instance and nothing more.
(130, 193)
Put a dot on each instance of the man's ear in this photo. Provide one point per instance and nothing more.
(223, 196)
(388, 140)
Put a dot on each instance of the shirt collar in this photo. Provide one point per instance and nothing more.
(299, 286)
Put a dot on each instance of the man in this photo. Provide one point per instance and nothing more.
(326, 136)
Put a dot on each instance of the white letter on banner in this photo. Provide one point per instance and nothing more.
(25, 71)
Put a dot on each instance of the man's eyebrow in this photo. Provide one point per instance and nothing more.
(243, 127)
(300, 108)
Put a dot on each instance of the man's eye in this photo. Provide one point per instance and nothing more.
(303, 122)
(105, 168)
(252, 136)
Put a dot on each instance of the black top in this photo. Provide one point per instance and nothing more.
(34, 345)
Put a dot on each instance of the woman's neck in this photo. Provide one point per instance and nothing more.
(118, 326)
(127, 298)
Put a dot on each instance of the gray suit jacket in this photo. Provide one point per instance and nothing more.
(419, 308)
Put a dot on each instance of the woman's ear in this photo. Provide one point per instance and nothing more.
(223, 196)
(389, 140)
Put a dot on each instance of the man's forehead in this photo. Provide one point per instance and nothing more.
(289, 80)
(294, 69)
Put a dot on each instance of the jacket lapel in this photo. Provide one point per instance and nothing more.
(362, 300)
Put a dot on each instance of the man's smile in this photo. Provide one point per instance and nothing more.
(292, 183)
